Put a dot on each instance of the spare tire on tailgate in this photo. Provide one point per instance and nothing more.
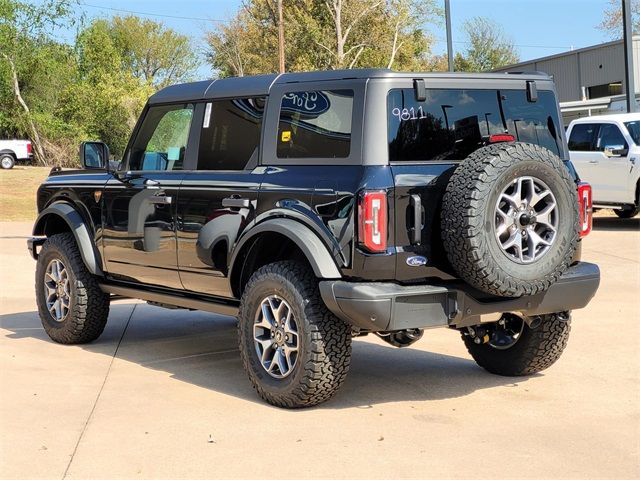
(510, 219)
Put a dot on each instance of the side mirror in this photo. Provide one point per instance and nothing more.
(94, 155)
(615, 151)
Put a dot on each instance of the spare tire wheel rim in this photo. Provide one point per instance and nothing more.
(526, 219)
(275, 336)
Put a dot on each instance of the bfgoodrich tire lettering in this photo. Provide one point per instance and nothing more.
(469, 212)
(324, 346)
(88, 304)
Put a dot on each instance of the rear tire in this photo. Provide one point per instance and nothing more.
(7, 161)
(627, 212)
(534, 350)
(72, 307)
(322, 342)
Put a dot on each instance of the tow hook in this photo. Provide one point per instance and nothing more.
(563, 316)
(480, 334)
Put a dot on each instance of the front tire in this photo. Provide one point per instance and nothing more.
(72, 307)
(294, 350)
(533, 349)
(7, 162)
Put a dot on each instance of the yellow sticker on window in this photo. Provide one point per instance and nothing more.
(285, 136)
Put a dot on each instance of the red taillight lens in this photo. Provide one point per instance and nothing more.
(586, 208)
(372, 217)
(29, 148)
(504, 137)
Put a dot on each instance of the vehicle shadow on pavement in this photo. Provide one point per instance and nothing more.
(617, 224)
(201, 349)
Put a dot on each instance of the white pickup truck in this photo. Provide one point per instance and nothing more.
(12, 151)
(605, 150)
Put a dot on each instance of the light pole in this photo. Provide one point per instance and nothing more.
(628, 56)
(447, 14)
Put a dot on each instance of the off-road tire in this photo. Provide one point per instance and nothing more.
(468, 212)
(89, 305)
(535, 350)
(7, 161)
(325, 341)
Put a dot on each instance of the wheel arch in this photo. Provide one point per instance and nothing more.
(61, 217)
(7, 151)
(279, 239)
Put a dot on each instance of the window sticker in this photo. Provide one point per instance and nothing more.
(285, 136)
(207, 116)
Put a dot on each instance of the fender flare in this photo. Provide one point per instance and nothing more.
(80, 231)
(305, 239)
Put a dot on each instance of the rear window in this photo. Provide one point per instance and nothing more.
(452, 123)
(315, 124)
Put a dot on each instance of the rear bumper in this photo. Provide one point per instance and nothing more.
(389, 306)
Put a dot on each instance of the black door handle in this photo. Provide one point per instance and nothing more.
(235, 202)
(416, 229)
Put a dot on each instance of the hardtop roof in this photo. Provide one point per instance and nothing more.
(258, 85)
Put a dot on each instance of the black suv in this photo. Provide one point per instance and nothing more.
(321, 206)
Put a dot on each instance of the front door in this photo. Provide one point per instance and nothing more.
(613, 165)
(218, 200)
(139, 241)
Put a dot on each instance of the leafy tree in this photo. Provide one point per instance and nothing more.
(324, 34)
(612, 22)
(25, 41)
(488, 47)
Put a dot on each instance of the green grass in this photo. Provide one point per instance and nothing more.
(18, 188)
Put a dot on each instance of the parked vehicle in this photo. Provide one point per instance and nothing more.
(12, 151)
(321, 206)
(605, 151)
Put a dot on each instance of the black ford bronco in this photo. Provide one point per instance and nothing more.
(321, 206)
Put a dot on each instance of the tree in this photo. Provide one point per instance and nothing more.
(324, 34)
(612, 22)
(488, 47)
(25, 29)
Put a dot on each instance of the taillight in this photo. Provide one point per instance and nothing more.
(585, 200)
(29, 148)
(372, 217)
(503, 137)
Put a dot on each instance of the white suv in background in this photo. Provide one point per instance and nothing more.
(605, 151)
(12, 151)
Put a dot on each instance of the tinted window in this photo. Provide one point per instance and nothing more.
(582, 137)
(452, 123)
(634, 131)
(315, 124)
(610, 136)
(162, 139)
(230, 135)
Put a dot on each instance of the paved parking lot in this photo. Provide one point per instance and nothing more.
(162, 394)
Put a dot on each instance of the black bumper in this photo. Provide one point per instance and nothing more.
(33, 243)
(390, 306)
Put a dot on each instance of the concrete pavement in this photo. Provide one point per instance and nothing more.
(162, 394)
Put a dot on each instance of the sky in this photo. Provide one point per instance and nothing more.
(537, 27)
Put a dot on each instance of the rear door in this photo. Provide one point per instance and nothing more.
(582, 150)
(218, 199)
(139, 238)
(427, 139)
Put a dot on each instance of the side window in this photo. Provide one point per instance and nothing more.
(230, 136)
(610, 136)
(315, 124)
(582, 137)
(162, 139)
